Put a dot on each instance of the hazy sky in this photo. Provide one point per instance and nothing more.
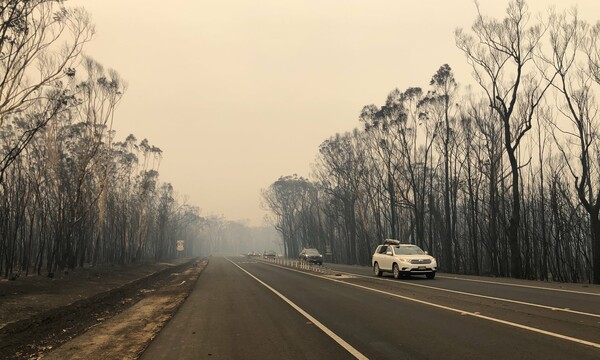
(240, 92)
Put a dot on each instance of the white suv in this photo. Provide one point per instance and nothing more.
(403, 259)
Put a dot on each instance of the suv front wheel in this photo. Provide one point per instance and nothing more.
(376, 269)
(396, 271)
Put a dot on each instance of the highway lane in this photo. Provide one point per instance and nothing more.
(568, 309)
(582, 326)
(379, 318)
(229, 315)
(385, 318)
(576, 297)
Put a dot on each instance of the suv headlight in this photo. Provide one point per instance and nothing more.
(404, 260)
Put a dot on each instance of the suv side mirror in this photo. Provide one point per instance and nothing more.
(388, 252)
(426, 253)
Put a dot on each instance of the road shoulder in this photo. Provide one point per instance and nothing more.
(126, 335)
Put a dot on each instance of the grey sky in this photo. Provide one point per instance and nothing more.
(239, 92)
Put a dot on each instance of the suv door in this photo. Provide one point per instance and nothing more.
(385, 262)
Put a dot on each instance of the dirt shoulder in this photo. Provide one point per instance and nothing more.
(116, 308)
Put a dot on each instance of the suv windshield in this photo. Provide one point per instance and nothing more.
(311, 252)
(408, 250)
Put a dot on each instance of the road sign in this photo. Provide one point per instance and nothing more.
(180, 245)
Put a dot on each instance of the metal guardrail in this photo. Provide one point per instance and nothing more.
(295, 264)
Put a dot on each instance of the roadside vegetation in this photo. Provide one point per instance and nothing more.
(73, 193)
(500, 179)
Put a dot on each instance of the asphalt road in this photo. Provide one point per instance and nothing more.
(251, 309)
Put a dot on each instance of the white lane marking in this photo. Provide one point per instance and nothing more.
(323, 328)
(501, 283)
(519, 285)
(461, 312)
(482, 296)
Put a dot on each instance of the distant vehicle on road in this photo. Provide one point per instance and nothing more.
(403, 259)
(269, 254)
(311, 255)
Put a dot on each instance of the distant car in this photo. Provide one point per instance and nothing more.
(311, 255)
(269, 254)
(403, 259)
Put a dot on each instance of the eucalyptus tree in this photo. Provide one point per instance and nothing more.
(438, 105)
(372, 196)
(40, 45)
(101, 93)
(63, 168)
(574, 50)
(289, 199)
(146, 187)
(378, 130)
(339, 168)
(132, 200)
(501, 53)
(40, 205)
(166, 211)
(120, 205)
(488, 135)
(403, 138)
(567, 222)
(472, 151)
(212, 233)
(416, 135)
(13, 210)
(142, 191)
(544, 152)
(187, 226)
(97, 96)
